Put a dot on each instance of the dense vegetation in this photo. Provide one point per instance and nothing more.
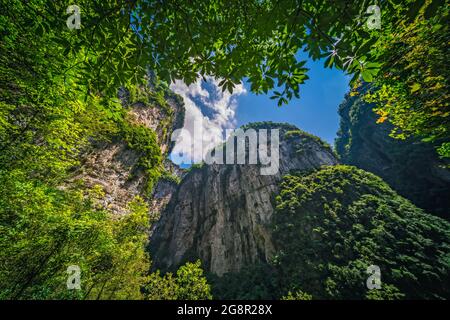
(334, 223)
(412, 90)
(59, 91)
(329, 226)
(410, 166)
(189, 284)
(144, 140)
(257, 281)
(45, 230)
(287, 131)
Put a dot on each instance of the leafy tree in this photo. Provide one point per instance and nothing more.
(45, 230)
(257, 281)
(144, 140)
(51, 108)
(411, 167)
(259, 40)
(298, 295)
(331, 225)
(255, 40)
(412, 89)
(161, 287)
(58, 92)
(189, 284)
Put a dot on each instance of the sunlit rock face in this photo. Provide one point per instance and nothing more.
(114, 166)
(221, 213)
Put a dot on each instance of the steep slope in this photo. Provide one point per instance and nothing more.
(222, 213)
(119, 166)
(410, 167)
(333, 224)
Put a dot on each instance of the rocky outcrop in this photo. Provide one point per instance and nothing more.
(114, 166)
(411, 167)
(166, 187)
(222, 213)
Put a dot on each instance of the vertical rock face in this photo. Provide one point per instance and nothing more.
(410, 167)
(165, 187)
(115, 167)
(222, 213)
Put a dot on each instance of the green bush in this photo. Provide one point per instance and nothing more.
(144, 140)
(331, 225)
(257, 281)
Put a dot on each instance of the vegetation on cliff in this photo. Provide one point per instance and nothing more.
(47, 121)
(412, 89)
(329, 227)
(409, 166)
(289, 132)
(144, 140)
(59, 92)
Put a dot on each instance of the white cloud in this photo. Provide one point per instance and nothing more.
(209, 111)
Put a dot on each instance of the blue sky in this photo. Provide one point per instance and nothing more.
(214, 111)
(315, 111)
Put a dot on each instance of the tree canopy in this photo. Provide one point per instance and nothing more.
(232, 40)
(329, 226)
(256, 41)
(59, 91)
(412, 90)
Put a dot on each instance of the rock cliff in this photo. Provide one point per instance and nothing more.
(411, 167)
(116, 168)
(222, 213)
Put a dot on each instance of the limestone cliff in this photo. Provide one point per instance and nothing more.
(222, 213)
(115, 167)
(411, 167)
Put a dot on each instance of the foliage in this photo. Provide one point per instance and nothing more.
(195, 166)
(269, 125)
(144, 140)
(331, 225)
(189, 284)
(171, 177)
(46, 122)
(257, 281)
(58, 92)
(410, 166)
(192, 283)
(299, 139)
(298, 295)
(412, 89)
(46, 117)
(444, 150)
(289, 132)
(154, 93)
(302, 134)
(45, 230)
(259, 40)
